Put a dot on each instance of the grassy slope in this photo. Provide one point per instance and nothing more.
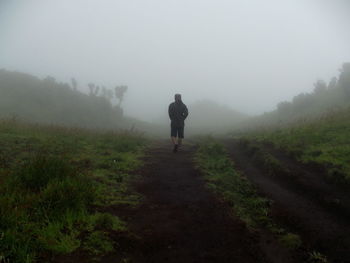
(29, 98)
(53, 183)
(325, 141)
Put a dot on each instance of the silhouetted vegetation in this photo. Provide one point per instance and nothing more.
(312, 128)
(47, 101)
(119, 92)
(325, 98)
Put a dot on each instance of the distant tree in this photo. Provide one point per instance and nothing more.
(109, 94)
(284, 108)
(118, 112)
(74, 83)
(49, 81)
(333, 83)
(65, 86)
(344, 78)
(320, 86)
(49, 101)
(119, 93)
(104, 91)
(93, 89)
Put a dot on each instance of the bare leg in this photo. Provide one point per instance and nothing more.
(179, 141)
(173, 139)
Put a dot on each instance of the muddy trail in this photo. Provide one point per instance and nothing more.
(180, 220)
(303, 202)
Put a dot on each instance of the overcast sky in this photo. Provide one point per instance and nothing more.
(248, 54)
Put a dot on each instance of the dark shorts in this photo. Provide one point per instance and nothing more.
(177, 132)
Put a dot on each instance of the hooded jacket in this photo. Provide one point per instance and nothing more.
(178, 112)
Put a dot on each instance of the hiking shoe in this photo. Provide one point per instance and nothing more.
(175, 148)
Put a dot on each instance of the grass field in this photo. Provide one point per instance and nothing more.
(325, 142)
(56, 186)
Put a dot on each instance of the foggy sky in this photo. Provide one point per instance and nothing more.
(248, 54)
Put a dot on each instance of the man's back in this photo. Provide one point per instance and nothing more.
(178, 113)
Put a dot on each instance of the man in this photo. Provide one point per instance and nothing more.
(177, 113)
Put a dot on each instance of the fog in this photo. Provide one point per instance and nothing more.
(246, 54)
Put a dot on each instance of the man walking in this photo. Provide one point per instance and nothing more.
(177, 113)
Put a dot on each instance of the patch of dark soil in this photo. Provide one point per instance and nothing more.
(298, 205)
(75, 257)
(180, 220)
(312, 180)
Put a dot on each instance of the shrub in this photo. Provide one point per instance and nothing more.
(36, 173)
(317, 257)
(39, 204)
(291, 241)
(98, 243)
(70, 194)
(53, 238)
(107, 221)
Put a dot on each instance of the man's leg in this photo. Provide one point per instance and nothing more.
(173, 134)
(176, 146)
(180, 135)
(173, 139)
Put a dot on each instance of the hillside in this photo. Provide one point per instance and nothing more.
(326, 97)
(29, 98)
(209, 117)
(323, 142)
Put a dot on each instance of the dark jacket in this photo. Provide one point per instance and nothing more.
(177, 113)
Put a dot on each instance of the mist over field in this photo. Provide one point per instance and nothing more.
(245, 55)
(139, 131)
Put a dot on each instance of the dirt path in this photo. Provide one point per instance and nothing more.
(322, 228)
(180, 220)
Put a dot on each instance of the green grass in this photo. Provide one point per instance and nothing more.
(325, 142)
(98, 243)
(53, 180)
(316, 257)
(291, 241)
